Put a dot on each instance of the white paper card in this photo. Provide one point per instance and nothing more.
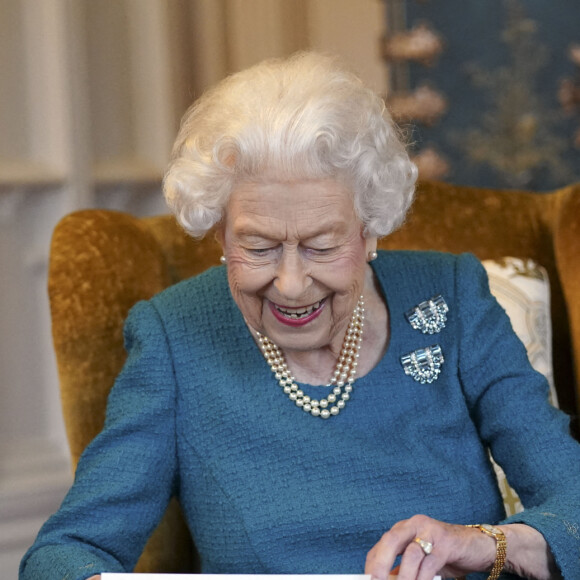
(123, 576)
(116, 576)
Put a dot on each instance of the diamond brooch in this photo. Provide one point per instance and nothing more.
(429, 316)
(423, 364)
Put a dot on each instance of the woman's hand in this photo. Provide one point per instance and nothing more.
(457, 551)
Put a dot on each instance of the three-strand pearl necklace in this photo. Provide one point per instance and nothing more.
(342, 378)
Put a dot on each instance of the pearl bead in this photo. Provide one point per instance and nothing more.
(315, 412)
(331, 398)
(334, 410)
(336, 390)
(341, 404)
(345, 396)
(307, 407)
(315, 403)
(325, 413)
(323, 403)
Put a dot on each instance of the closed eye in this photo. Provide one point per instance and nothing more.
(259, 251)
(321, 251)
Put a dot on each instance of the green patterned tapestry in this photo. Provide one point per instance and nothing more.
(489, 89)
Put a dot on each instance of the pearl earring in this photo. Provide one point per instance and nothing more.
(223, 259)
(372, 256)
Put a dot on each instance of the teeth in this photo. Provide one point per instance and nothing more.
(296, 313)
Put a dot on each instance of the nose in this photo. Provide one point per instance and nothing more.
(292, 278)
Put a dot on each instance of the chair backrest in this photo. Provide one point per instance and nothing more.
(102, 262)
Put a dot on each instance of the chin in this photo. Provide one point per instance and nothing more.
(300, 339)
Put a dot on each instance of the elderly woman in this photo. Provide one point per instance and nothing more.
(316, 407)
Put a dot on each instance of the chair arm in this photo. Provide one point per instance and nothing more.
(567, 251)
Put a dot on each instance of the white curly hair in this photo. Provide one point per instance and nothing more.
(304, 117)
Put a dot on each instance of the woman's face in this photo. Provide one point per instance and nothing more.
(296, 260)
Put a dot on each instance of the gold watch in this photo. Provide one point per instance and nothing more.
(500, 548)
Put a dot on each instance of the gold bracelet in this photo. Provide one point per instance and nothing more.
(500, 547)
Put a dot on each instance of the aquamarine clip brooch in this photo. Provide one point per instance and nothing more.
(423, 364)
(430, 316)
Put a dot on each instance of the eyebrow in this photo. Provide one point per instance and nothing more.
(248, 229)
(250, 237)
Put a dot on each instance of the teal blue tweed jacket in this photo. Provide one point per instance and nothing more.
(267, 488)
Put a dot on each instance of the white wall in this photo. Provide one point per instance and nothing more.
(90, 98)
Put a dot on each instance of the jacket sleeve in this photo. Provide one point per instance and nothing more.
(508, 401)
(126, 476)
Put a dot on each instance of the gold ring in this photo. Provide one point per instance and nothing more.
(427, 547)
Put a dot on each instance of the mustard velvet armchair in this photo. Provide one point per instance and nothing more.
(102, 262)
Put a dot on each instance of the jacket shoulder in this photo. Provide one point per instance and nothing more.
(430, 269)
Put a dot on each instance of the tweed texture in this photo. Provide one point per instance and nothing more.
(264, 487)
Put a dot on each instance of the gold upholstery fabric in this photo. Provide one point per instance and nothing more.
(102, 262)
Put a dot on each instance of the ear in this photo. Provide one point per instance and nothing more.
(220, 236)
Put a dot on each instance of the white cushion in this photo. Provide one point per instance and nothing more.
(523, 290)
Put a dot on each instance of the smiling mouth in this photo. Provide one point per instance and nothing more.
(300, 312)
(299, 316)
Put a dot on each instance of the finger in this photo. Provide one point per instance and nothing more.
(380, 559)
(431, 566)
(397, 540)
(411, 561)
(422, 567)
